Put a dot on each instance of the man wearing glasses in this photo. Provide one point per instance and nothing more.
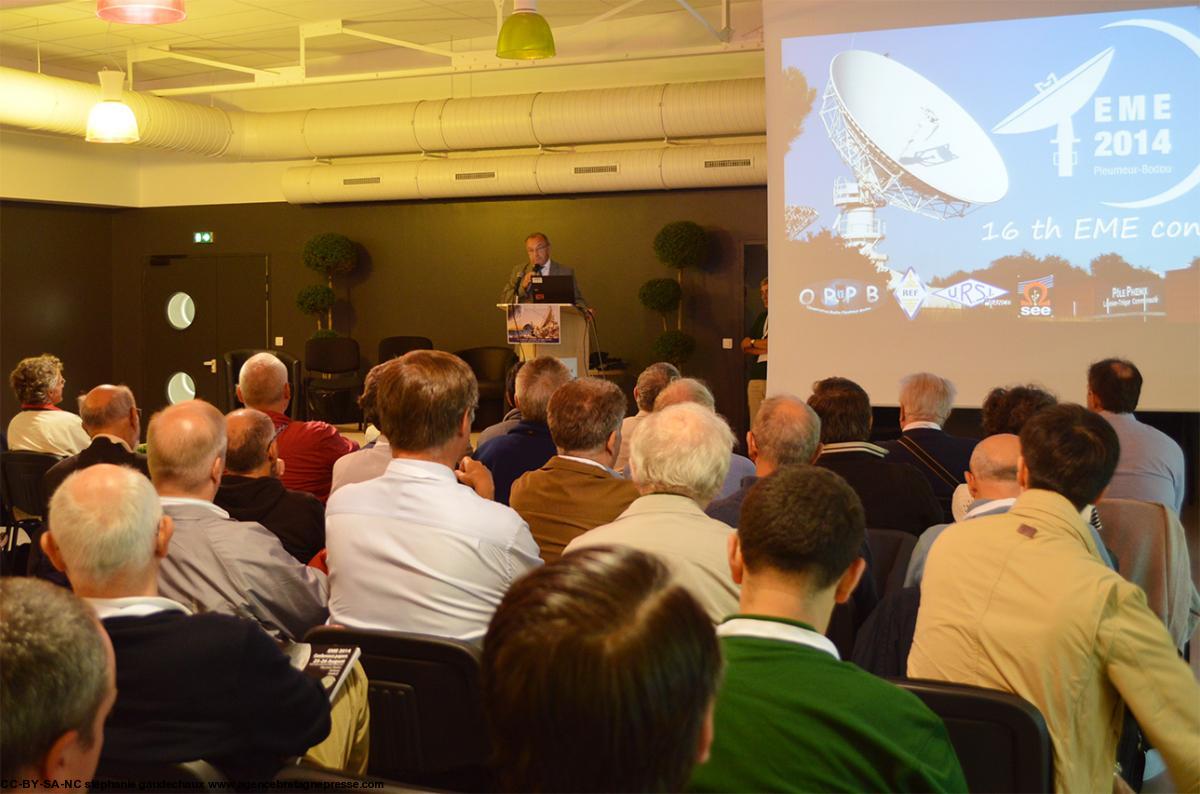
(537, 248)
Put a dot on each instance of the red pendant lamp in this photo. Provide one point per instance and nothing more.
(141, 12)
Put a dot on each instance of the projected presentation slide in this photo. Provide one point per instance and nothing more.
(1026, 171)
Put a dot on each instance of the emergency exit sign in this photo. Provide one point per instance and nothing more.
(202, 237)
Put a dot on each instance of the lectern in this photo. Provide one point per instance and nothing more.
(528, 321)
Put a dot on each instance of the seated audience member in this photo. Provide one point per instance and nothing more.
(577, 489)
(679, 460)
(894, 495)
(218, 564)
(926, 401)
(832, 726)
(370, 461)
(42, 426)
(691, 390)
(423, 547)
(1007, 409)
(57, 684)
(1151, 466)
(992, 481)
(112, 419)
(1021, 602)
(652, 380)
(308, 449)
(528, 445)
(626, 667)
(786, 431)
(206, 686)
(513, 416)
(252, 491)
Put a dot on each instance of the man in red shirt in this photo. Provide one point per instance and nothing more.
(308, 449)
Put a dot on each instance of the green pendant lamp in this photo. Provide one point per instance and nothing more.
(526, 35)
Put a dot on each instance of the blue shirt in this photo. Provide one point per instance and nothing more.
(525, 447)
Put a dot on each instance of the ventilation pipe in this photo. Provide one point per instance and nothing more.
(661, 168)
(609, 115)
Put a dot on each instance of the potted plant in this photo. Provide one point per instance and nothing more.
(317, 300)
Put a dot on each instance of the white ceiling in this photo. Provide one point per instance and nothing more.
(68, 40)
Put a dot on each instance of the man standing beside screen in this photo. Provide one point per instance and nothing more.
(518, 287)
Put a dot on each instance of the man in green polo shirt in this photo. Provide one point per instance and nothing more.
(791, 716)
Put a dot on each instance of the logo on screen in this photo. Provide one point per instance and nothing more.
(1035, 297)
(910, 293)
(840, 296)
(970, 293)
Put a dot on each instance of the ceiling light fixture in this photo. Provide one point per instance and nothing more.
(141, 12)
(526, 35)
(111, 120)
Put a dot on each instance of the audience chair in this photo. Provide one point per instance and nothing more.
(332, 392)
(303, 777)
(187, 776)
(1001, 739)
(234, 360)
(891, 550)
(426, 707)
(490, 365)
(1151, 550)
(24, 494)
(396, 346)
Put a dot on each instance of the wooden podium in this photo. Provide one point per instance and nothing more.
(572, 348)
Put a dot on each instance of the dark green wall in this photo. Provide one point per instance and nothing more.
(55, 293)
(436, 268)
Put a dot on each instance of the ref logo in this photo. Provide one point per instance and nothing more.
(910, 293)
(1035, 297)
(970, 293)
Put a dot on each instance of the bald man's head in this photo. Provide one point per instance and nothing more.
(186, 448)
(111, 410)
(263, 383)
(993, 473)
(105, 527)
(251, 434)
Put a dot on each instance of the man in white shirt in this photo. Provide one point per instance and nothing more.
(1151, 465)
(650, 383)
(370, 461)
(423, 548)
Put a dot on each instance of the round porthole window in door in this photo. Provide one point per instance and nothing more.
(180, 388)
(181, 310)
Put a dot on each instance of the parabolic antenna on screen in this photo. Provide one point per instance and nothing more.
(1060, 99)
(918, 127)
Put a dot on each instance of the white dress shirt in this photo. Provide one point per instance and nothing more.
(415, 550)
(361, 465)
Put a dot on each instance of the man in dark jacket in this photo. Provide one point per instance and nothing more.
(113, 421)
(926, 401)
(252, 491)
(894, 495)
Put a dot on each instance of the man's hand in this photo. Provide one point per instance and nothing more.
(526, 279)
(477, 477)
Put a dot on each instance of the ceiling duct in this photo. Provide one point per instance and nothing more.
(658, 168)
(609, 115)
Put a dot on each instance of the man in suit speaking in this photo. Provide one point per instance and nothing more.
(537, 248)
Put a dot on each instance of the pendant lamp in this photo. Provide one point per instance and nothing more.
(141, 12)
(525, 34)
(111, 120)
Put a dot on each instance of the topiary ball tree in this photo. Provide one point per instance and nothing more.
(317, 300)
(662, 295)
(682, 244)
(330, 255)
(674, 346)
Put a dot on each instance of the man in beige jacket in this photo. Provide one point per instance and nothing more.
(1021, 602)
